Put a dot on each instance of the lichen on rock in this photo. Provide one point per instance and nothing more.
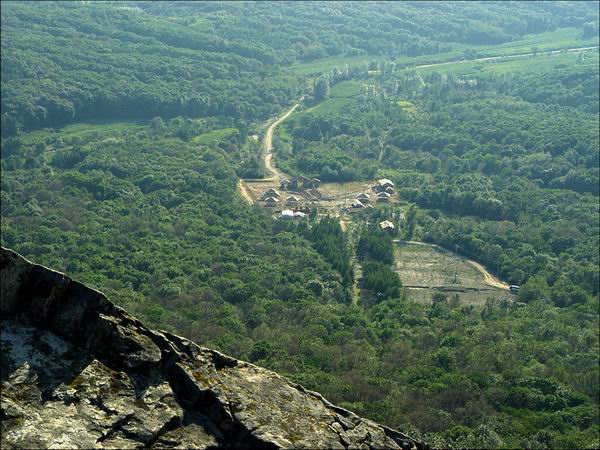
(79, 372)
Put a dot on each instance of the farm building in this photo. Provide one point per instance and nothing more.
(271, 193)
(288, 214)
(271, 201)
(383, 197)
(363, 198)
(292, 200)
(299, 182)
(383, 184)
(303, 209)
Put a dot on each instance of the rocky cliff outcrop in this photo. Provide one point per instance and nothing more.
(79, 372)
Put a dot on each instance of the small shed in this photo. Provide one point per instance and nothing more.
(386, 225)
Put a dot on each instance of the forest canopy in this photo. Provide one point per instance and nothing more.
(126, 127)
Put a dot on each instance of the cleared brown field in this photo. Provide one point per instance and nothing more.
(426, 269)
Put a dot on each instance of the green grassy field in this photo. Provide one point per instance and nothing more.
(82, 129)
(521, 64)
(325, 64)
(553, 40)
(213, 137)
(326, 108)
(407, 106)
(346, 89)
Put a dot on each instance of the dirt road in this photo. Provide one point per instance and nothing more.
(488, 278)
(276, 175)
(244, 191)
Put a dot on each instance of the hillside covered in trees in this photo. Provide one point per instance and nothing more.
(126, 127)
(82, 60)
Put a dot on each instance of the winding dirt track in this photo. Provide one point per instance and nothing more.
(244, 191)
(489, 279)
(268, 144)
(276, 174)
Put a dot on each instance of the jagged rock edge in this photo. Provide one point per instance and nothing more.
(173, 349)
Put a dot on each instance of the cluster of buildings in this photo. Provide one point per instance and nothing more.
(272, 197)
(383, 190)
(299, 183)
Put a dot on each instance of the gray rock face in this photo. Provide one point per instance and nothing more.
(79, 372)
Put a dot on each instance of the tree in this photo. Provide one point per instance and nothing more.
(411, 222)
(10, 126)
(322, 89)
(589, 30)
(536, 288)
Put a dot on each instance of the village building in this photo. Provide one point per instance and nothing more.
(303, 209)
(387, 226)
(384, 184)
(357, 204)
(300, 182)
(293, 200)
(271, 192)
(287, 214)
(383, 197)
(389, 190)
(363, 198)
(271, 201)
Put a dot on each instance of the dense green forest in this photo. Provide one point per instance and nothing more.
(125, 127)
(80, 60)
